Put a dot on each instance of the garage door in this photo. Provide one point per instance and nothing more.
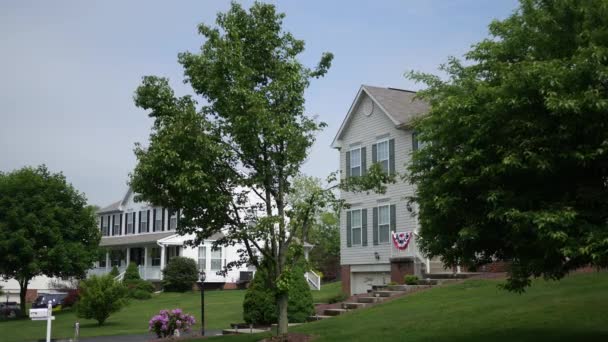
(363, 281)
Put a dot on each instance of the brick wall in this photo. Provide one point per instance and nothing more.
(30, 295)
(345, 276)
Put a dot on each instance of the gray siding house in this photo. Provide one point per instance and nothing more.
(377, 129)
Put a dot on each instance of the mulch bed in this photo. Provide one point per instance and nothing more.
(290, 337)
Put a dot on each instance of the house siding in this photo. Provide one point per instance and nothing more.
(366, 131)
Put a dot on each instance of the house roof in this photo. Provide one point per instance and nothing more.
(112, 207)
(400, 106)
(133, 239)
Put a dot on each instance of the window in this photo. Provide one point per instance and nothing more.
(355, 224)
(383, 154)
(116, 228)
(172, 252)
(216, 259)
(155, 256)
(102, 261)
(355, 162)
(173, 221)
(129, 217)
(384, 223)
(158, 223)
(202, 258)
(116, 257)
(143, 219)
(106, 226)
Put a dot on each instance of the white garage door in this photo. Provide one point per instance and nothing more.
(363, 281)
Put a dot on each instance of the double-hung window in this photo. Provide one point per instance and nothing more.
(355, 162)
(384, 223)
(106, 228)
(143, 222)
(116, 228)
(155, 256)
(216, 259)
(173, 221)
(356, 226)
(202, 258)
(129, 218)
(158, 220)
(383, 154)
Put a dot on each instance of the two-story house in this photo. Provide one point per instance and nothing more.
(377, 129)
(140, 233)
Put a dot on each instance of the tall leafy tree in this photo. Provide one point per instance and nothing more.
(514, 163)
(46, 227)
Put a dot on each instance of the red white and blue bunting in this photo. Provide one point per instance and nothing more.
(402, 239)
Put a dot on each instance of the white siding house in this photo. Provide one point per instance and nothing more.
(376, 130)
(140, 233)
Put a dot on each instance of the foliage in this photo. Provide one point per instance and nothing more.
(139, 289)
(131, 273)
(166, 322)
(514, 162)
(180, 274)
(259, 306)
(115, 272)
(139, 294)
(338, 298)
(410, 279)
(100, 297)
(71, 298)
(46, 227)
(392, 283)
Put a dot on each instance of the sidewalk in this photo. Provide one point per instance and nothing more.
(134, 338)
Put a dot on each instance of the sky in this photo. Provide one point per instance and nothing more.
(68, 70)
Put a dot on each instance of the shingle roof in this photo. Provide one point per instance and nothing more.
(110, 208)
(133, 239)
(400, 104)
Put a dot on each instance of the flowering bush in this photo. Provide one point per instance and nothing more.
(166, 322)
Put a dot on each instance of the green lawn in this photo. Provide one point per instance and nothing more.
(574, 309)
(223, 308)
(327, 291)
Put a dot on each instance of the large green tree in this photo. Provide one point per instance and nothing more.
(46, 227)
(513, 163)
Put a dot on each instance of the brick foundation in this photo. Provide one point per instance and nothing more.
(230, 286)
(30, 295)
(345, 276)
(495, 267)
(401, 267)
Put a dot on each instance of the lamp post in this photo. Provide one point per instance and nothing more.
(201, 283)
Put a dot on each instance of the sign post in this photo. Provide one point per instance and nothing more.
(41, 315)
(49, 317)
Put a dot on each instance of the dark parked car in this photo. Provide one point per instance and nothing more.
(10, 309)
(56, 299)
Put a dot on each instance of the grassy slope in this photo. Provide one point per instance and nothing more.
(574, 309)
(223, 308)
(327, 291)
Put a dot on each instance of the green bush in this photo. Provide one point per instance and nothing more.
(410, 279)
(392, 283)
(340, 297)
(140, 294)
(100, 297)
(179, 275)
(131, 273)
(259, 305)
(114, 272)
(135, 287)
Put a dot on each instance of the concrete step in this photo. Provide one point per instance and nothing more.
(334, 312)
(353, 306)
(386, 293)
(369, 299)
(318, 317)
(448, 275)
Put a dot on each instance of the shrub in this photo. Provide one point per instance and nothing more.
(140, 294)
(259, 305)
(131, 273)
(137, 288)
(71, 298)
(340, 297)
(180, 274)
(392, 283)
(166, 322)
(115, 272)
(410, 279)
(100, 297)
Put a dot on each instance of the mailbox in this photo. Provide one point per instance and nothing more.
(39, 314)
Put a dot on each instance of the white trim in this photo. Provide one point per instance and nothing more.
(352, 235)
(384, 204)
(357, 148)
(335, 143)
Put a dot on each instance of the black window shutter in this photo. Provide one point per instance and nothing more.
(120, 225)
(139, 221)
(148, 221)
(177, 219)
(414, 141)
(101, 226)
(375, 225)
(393, 217)
(374, 153)
(348, 164)
(348, 230)
(363, 161)
(391, 155)
(162, 223)
(364, 227)
(134, 222)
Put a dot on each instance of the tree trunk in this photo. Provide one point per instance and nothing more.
(22, 293)
(283, 320)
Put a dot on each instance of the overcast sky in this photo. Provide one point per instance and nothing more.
(68, 70)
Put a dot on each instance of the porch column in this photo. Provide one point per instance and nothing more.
(146, 262)
(128, 256)
(107, 261)
(428, 266)
(162, 261)
(458, 269)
